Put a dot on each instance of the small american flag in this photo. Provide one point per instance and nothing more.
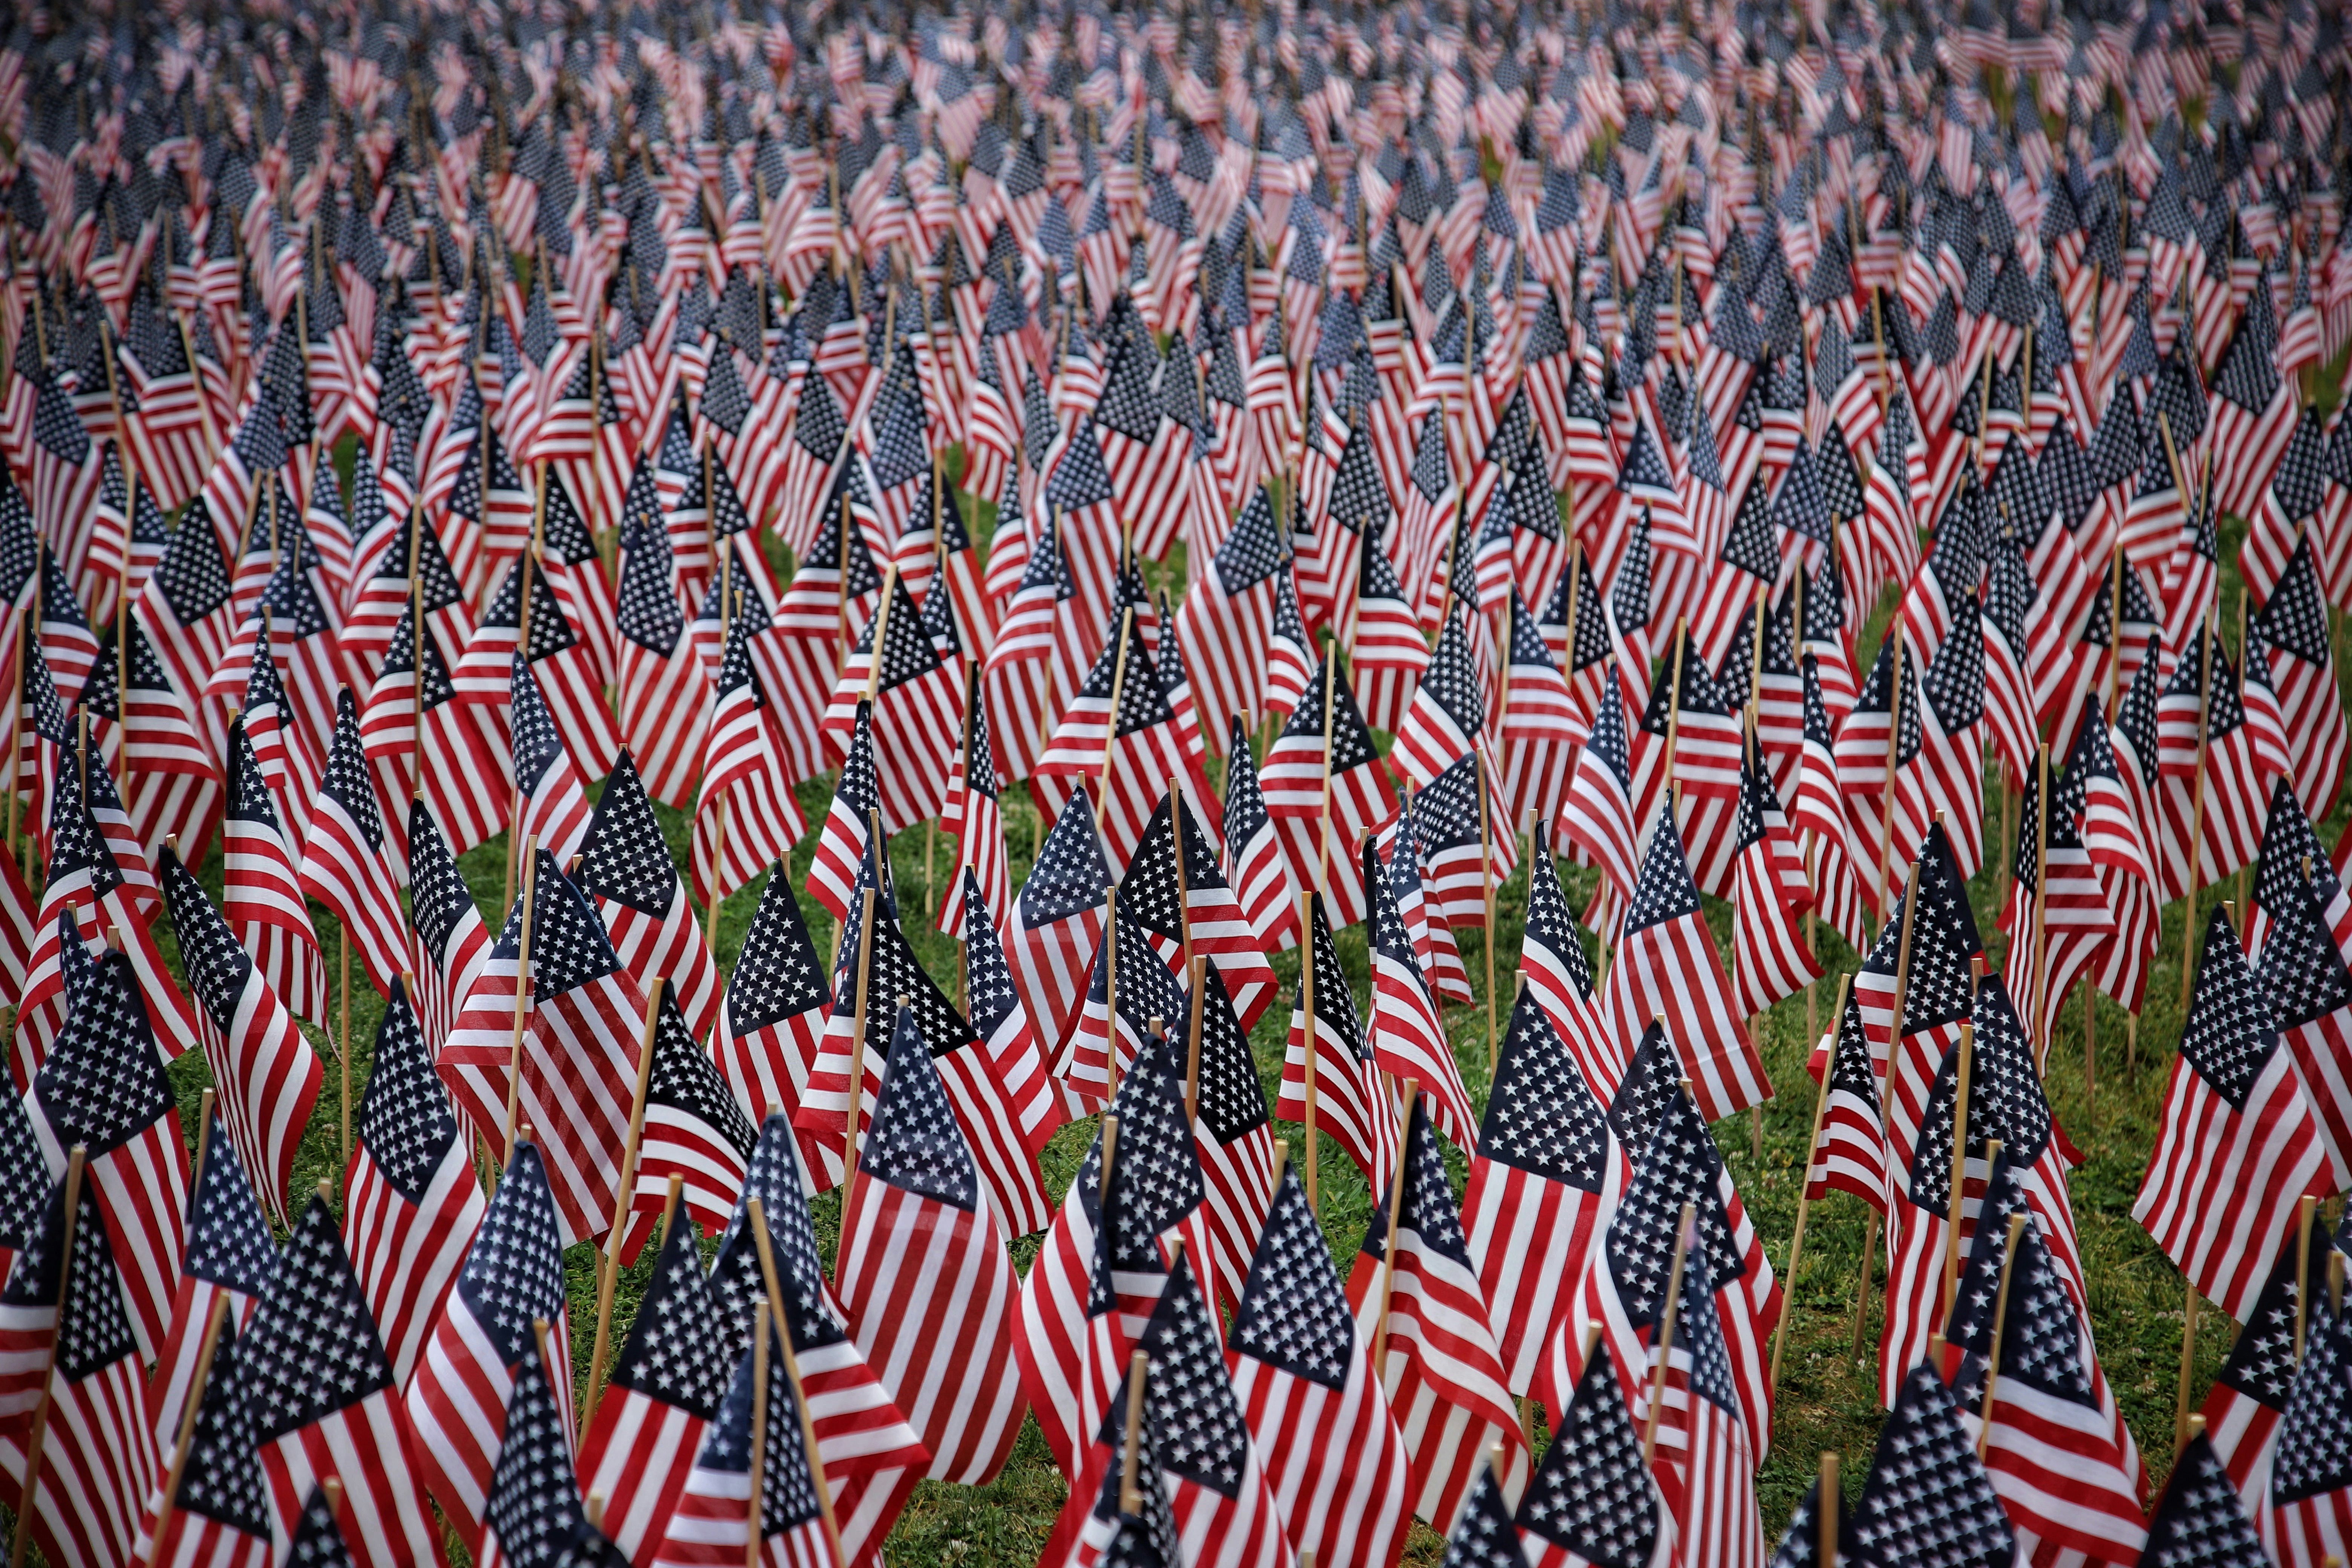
(1551, 956)
(229, 1252)
(1546, 1178)
(1593, 1503)
(452, 944)
(1233, 1135)
(1444, 1376)
(2240, 1144)
(1769, 959)
(1448, 716)
(2201, 1511)
(100, 1452)
(774, 1013)
(1057, 922)
(412, 1202)
(667, 1379)
(1704, 1465)
(261, 893)
(560, 661)
(694, 1131)
(841, 842)
(1851, 1155)
(872, 1456)
(1596, 817)
(1406, 1036)
(711, 1522)
(457, 1402)
(1256, 869)
(2058, 1451)
(176, 787)
(1330, 1450)
(2249, 1393)
(104, 1087)
(2293, 624)
(532, 1511)
(2309, 992)
(462, 768)
(1174, 904)
(917, 703)
(2305, 1512)
(626, 870)
(744, 778)
(1219, 1497)
(268, 1076)
(1294, 781)
(1928, 1497)
(973, 813)
(550, 797)
(1228, 615)
(664, 694)
(220, 1517)
(928, 1287)
(1351, 1104)
(344, 864)
(332, 1409)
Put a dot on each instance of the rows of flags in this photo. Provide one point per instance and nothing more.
(431, 427)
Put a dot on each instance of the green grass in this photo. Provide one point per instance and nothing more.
(1827, 1394)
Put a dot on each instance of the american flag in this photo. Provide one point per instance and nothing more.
(104, 1087)
(1849, 1155)
(1002, 1024)
(973, 813)
(2239, 1145)
(1228, 615)
(1702, 1463)
(2309, 992)
(2304, 1512)
(551, 798)
(872, 1458)
(1596, 817)
(711, 1524)
(2058, 1451)
(1057, 924)
(2058, 917)
(261, 893)
(2294, 625)
(219, 1517)
(344, 864)
(2236, 788)
(1593, 1502)
(321, 1403)
(1551, 956)
(841, 842)
(626, 870)
(1769, 959)
(1257, 869)
(1544, 1182)
(269, 1077)
(1332, 1453)
(1484, 1535)
(1666, 965)
(228, 1254)
(579, 1067)
(1406, 1036)
(1351, 1102)
(667, 1379)
(2202, 1512)
(1448, 716)
(1800, 1546)
(457, 1402)
(1434, 948)
(175, 787)
(184, 608)
(1442, 1374)
(533, 1512)
(560, 661)
(100, 1452)
(2287, 837)
(773, 1016)
(411, 1202)
(452, 943)
(1919, 1217)
(1232, 1133)
(1305, 783)
(1130, 755)
(1190, 911)
(2250, 1393)
(663, 692)
(747, 817)
(695, 1132)
(462, 769)
(1939, 999)
(1928, 1497)
(1126, 990)
(929, 1290)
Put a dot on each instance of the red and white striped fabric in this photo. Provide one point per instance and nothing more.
(1255, 867)
(1302, 789)
(341, 1418)
(1442, 1374)
(773, 1015)
(711, 1524)
(99, 1453)
(973, 813)
(841, 840)
(551, 798)
(227, 1257)
(925, 1277)
(411, 1201)
(1769, 956)
(917, 710)
(269, 1078)
(1704, 1465)
(1545, 1180)
(343, 861)
(1331, 1452)
(261, 894)
(1057, 924)
(1665, 966)
(1596, 817)
(668, 1379)
(1405, 1035)
(1851, 1154)
(457, 1403)
(1351, 1102)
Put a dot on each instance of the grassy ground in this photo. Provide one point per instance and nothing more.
(1828, 1398)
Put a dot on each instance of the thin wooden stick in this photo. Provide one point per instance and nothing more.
(1486, 878)
(755, 1505)
(2307, 1210)
(2197, 810)
(1825, 1531)
(1306, 1012)
(764, 1243)
(1884, 866)
(2180, 1410)
(1962, 1073)
(1130, 1490)
(28, 1499)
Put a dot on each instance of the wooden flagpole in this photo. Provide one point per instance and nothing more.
(1665, 1347)
(1396, 1217)
(1307, 1013)
(522, 998)
(2197, 792)
(2000, 1324)
(1963, 1074)
(28, 1498)
(608, 1273)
